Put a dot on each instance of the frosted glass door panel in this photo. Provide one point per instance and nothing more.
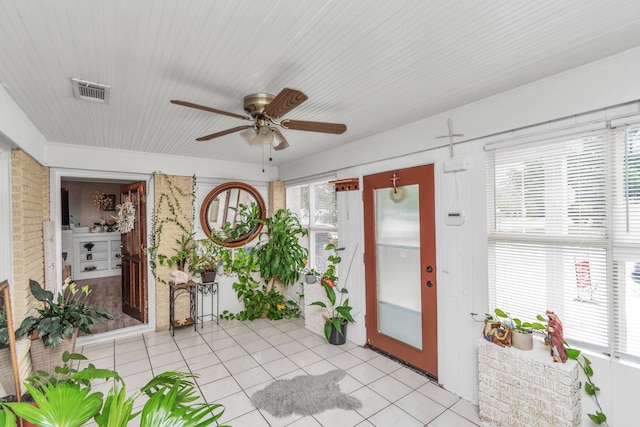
(398, 272)
(397, 219)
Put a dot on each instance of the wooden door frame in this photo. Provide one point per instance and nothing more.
(427, 239)
(56, 177)
(138, 241)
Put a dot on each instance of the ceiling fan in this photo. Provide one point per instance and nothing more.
(264, 109)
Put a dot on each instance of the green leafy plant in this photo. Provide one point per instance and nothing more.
(4, 329)
(168, 211)
(185, 253)
(245, 225)
(206, 257)
(518, 324)
(590, 388)
(279, 253)
(7, 419)
(65, 388)
(62, 315)
(500, 316)
(338, 311)
(65, 398)
(258, 301)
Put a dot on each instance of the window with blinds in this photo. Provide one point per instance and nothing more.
(316, 206)
(564, 234)
(625, 232)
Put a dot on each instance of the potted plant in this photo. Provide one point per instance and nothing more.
(279, 254)
(258, 301)
(310, 276)
(66, 398)
(338, 312)
(205, 260)
(58, 322)
(521, 332)
(590, 388)
(88, 246)
(185, 252)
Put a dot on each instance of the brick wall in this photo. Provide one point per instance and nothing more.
(30, 207)
(313, 319)
(277, 197)
(173, 203)
(526, 388)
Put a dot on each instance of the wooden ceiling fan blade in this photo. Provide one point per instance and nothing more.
(211, 110)
(223, 133)
(280, 137)
(285, 101)
(336, 128)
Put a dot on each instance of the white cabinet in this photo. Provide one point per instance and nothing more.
(96, 255)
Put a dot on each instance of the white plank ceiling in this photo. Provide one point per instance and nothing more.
(371, 64)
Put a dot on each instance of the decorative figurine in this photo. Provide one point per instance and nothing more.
(555, 338)
(497, 333)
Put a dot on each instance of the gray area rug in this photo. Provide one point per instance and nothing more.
(305, 395)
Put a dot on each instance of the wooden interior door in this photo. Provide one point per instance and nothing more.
(134, 255)
(400, 263)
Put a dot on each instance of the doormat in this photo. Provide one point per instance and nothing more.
(305, 395)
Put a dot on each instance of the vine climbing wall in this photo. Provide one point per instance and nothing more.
(172, 218)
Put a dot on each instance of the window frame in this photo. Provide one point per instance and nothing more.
(616, 326)
(313, 227)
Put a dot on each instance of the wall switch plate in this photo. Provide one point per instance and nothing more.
(454, 218)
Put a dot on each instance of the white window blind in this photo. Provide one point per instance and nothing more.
(626, 240)
(548, 233)
(564, 234)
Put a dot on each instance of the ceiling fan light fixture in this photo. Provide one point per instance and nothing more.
(265, 135)
(277, 139)
(262, 109)
(249, 134)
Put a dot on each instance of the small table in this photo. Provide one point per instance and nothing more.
(175, 291)
(203, 289)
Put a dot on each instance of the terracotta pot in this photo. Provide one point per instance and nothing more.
(26, 423)
(338, 338)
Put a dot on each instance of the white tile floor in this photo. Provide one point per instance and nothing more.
(235, 359)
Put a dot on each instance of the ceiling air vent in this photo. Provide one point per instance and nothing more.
(90, 91)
